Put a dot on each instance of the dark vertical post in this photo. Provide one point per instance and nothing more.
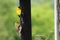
(25, 19)
(58, 19)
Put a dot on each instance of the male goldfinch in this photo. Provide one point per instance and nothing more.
(18, 11)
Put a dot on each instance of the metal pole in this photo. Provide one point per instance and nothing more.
(25, 19)
(56, 19)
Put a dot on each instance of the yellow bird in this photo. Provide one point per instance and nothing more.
(18, 11)
(18, 27)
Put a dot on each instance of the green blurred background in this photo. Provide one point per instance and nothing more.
(42, 14)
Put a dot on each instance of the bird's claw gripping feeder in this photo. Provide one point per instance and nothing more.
(24, 13)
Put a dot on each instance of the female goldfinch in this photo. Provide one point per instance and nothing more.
(18, 27)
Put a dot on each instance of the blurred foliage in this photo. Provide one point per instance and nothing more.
(8, 17)
(42, 12)
(43, 18)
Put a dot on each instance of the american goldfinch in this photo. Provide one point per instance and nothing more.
(18, 27)
(18, 11)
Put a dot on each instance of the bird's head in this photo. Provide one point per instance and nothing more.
(18, 11)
